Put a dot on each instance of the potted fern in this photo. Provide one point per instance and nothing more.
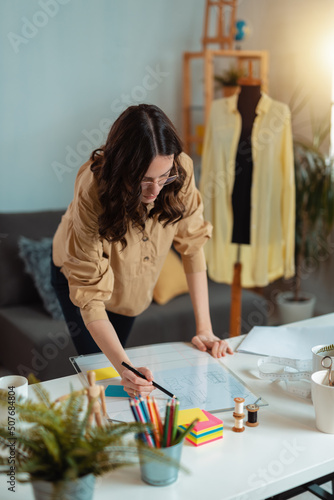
(314, 180)
(59, 451)
(229, 80)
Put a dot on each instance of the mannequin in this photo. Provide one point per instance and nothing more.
(267, 252)
(249, 96)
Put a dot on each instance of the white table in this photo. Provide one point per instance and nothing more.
(284, 451)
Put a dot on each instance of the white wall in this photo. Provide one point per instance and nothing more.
(71, 76)
(299, 35)
(76, 73)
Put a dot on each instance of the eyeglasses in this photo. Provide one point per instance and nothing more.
(162, 181)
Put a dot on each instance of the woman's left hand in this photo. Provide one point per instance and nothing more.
(207, 341)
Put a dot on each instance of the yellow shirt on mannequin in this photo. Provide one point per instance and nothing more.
(270, 254)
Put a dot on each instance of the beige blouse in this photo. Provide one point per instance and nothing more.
(100, 275)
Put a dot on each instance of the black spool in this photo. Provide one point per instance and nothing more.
(252, 415)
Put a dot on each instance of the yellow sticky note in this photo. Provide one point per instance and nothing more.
(104, 373)
(187, 416)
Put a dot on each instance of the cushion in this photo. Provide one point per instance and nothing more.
(172, 280)
(16, 286)
(36, 256)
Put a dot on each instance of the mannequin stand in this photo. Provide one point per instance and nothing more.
(236, 292)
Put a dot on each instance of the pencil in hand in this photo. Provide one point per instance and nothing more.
(136, 372)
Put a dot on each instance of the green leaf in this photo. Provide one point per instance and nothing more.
(42, 395)
(314, 191)
(57, 443)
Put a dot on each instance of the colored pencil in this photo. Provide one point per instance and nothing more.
(183, 434)
(176, 413)
(132, 406)
(157, 414)
(147, 417)
(132, 369)
(164, 434)
(171, 422)
(144, 409)
(154, 421)
(136, 417)
(150, 409)
(142, 419)
(166, 425)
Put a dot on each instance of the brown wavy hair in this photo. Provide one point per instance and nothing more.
(139, 135)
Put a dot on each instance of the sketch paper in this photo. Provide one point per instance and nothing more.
(294, 342)
(197, 379)
(211, 387)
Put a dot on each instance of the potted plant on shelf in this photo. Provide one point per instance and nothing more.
(314, 180)
(229, 80)
(59, 450)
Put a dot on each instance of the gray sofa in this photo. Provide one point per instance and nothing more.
(32, 341)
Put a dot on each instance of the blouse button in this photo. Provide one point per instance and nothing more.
(145, 238)
(146, 259)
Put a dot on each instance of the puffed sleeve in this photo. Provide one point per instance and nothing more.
(79, 249)
(193, 231)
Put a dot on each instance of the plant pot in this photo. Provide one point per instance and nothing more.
(79, 489)
(229, 90)
(159, 473)
(290, 310)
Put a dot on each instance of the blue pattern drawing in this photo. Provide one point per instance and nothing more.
(198, 380)
(211, 388)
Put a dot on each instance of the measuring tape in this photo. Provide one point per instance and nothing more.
(296, 373)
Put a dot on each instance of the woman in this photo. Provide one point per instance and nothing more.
(133, 199)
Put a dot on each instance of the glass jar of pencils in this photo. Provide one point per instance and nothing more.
(163, 437)
(164, 470)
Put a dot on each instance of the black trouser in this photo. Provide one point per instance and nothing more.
(81, 337)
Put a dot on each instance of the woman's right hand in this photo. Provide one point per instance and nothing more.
(137, 386)
(107, 339)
